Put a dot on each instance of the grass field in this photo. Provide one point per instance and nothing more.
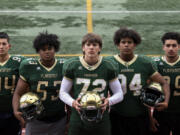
(23, 20)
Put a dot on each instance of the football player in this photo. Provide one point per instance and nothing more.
(169, 67)
(9, 74)
(90, 72)
(130, 117)
(43, 76)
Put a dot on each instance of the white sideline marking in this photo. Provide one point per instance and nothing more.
(84, 12)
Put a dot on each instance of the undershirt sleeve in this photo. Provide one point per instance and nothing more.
(116, 89)
(64, 95)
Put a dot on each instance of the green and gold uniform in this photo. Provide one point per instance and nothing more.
(89, 78)
(133, 76)
(46, 83)
(9, 75)
(169, 119)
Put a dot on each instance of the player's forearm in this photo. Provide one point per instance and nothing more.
(66, 98)
(166, 91)
(21, 88)
(165, 86)
(15, 101)
(117, 96)
(64, 95)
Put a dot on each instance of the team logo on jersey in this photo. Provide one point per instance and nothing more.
(61, 61)
(156, 58)
(5, 70)
(127, 70)
(89, 67)
(91, 75)
(126, 64)
(38, 68)
(80, 67)
(161, 63)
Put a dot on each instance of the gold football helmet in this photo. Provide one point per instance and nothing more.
(90, 107)
(152, 94)
(30, 106)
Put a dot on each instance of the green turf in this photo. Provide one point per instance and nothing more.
(70, 27)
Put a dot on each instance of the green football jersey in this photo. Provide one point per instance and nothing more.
(89, 78)
(9, 75)
(45, 82)
(171, 72)
(133, 76)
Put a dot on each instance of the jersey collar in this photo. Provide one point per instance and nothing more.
(50, 68)
(125, 63)
(171, 64)
(89, 67)
(3, 63)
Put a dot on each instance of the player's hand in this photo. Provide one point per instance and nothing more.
(18, 115)
(76, 104)
(149, 107)
(161, 106)
(105, 104)
(153, 124)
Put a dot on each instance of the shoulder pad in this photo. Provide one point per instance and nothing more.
(61, 60)
(156, 58)
(31, 61)
(17, 58)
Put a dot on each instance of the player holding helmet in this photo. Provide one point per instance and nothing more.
(90, 72)
(43, 77)
(130, 117)
(169, 67)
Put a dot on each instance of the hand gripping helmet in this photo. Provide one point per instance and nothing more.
(30, 106)
(152, 94)
(90, 107)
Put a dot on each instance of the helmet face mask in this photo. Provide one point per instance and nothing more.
(90, 110)
(91, 115)
(30, 106)
(152, 95)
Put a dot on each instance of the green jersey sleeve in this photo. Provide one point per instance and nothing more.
(68, 68)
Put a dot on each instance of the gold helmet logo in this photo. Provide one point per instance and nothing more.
(90, 98)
